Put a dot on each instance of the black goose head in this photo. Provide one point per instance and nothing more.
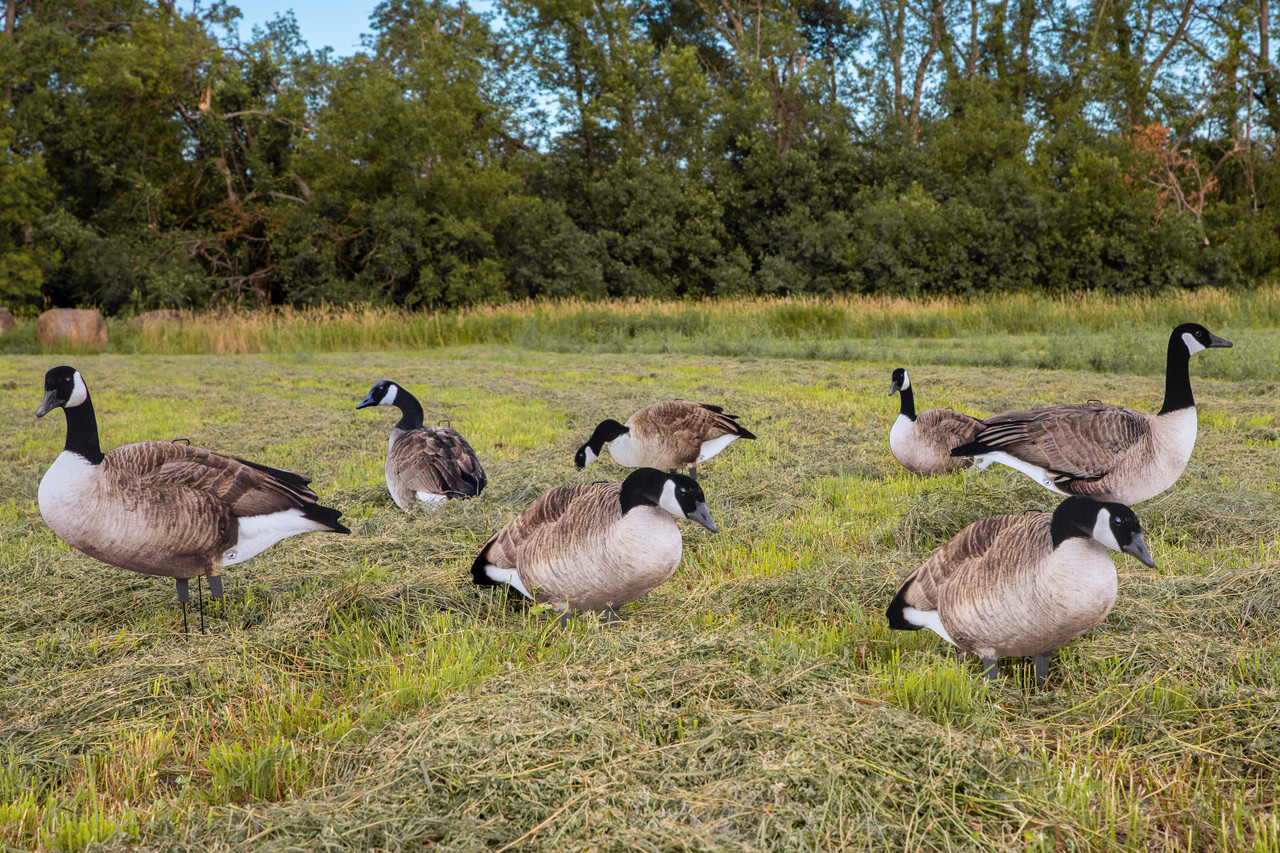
(1112, 524)
(1196, 338)
(899, 380)
(676, 493)
(63, 387)
(381, 394)
(605, 432)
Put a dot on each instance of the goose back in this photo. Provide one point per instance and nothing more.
(675, 434)
(431, 461)
(925, 444)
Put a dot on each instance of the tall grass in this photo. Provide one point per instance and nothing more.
(804, 327)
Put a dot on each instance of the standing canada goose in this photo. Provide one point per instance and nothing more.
(1021, 585)
(424, 464)
(163, 508)
(668, 435)
(1109, 452)
(594, 546)
(923, 442)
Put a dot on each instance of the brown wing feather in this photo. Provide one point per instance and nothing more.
(964, 554)
(504, 546)
(954, 428)
(1079, 441)
(437, 460)
(680, 427)
(195, 475)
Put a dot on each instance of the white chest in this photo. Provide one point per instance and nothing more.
(627, 451)
(899, 435)
(68, 492)
(1176, 433)
(1078, 580)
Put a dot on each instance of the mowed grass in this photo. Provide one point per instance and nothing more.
(357, 693)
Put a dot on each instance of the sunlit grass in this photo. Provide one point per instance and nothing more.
(358, 693)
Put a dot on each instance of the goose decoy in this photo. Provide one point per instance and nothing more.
(1021, 585)
(923, 442)
(596, 546)
(164, 508)
(667, 435)
(424, 464)
(1109, 452)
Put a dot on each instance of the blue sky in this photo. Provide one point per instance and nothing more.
(335, 23)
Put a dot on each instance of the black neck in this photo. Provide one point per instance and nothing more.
(1068, 520)
(908, 402)
(643, 487)
(605, 432)
(1177, 377)
(410, 410)
(82, 431)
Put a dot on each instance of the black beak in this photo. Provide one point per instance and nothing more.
(895, 387)
(1138, 548)
(367, 401)
(1215, 341)
(50, 403)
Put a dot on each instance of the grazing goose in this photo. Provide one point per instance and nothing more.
(668, 435)
(594, 546)
(923, 442)
(1109, 452)
(424, 464)
(163, 508)
(1021, 585)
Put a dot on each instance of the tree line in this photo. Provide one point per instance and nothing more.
(154, 158)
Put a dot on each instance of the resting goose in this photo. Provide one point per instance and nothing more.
(923, 442)
(594, 546)
(1021, 585)
(1109, 452)
(668, 435)
(163, 508)
(424, 464)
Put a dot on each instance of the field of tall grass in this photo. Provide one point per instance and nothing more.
(1025, 329)
(357, 693)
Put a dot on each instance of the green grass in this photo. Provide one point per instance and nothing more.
(358, 693)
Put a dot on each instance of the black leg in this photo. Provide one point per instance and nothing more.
(1042, 668)
(200, 595)
(564, 619)
(611, 618)
(184, 593)
(215, 586)
(989, 669)
(693, 472)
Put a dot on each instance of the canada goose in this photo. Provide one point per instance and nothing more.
(668, 435)
(424, 464)
(164, 508)
(594, 546)
(1109, 452)
(923, 442)
(1021, 585)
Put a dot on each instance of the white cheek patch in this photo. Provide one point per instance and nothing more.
(79, 391)
(906, 381)
(668, 501)
(390, 398)
(1102, 531)
(591, 457)
(1193, 346)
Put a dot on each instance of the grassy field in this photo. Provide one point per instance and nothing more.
(356, 693)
